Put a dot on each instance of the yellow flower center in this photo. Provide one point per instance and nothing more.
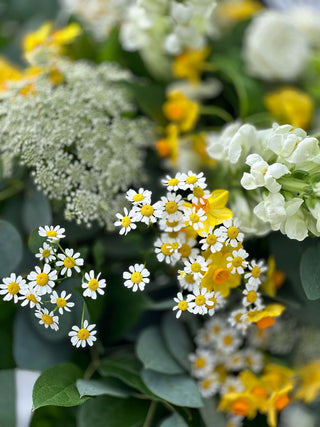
(194, 218)
(237, 317)
(45, 253)
(175, 245)
(198, 192)
(138, 197)
(69, 262)
(195, 267)
(185, 250)
(200, 362)
(220, 276)
(32, 298)
(173, 182)
(136, 277)
(189, 278)
(13, 288)
(255, 272)
(172, 223)
(93, 284)
(42, 279)
(173, 234)
(251, 296)
(171, 207)
(227, 340)
(191, 179)
(147, 210)
(237, 261)
(126, 221)
(232, 232)
(47, 319)
(166, 249)
(200, 300)
(51, 233)
(216, 330)
(183, 305)
(214, 300)
(61, 302)
(211, 239)
(83, 334)
(206, 383)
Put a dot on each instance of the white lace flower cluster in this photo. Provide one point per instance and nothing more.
(196, 236)
(221, 354)
(80, 143)
(284, 171)
(57, 264)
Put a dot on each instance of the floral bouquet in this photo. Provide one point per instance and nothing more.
(160, 213)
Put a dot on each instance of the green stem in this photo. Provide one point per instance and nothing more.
(150, 414)
(93, 365)
(216, 111)
(82, 316)
(15, 188)
(295, 185)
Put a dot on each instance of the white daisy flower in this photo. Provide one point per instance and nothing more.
(93, 286)
(137, 277)
(230, 232)
(187, 247)
(194, 180)
(182, 304)
(30, 296)
(232, 384)
(42, 280)
(200, 301)
(209, 385)
(202, 339)
(235, 361)
(172, 206)
(251, 296)
(214, 327)
(166, 249)
(228, 341)
(46, 253)
(147, 213)
(140, 197)
(61, 301)
(238, 319)
(11, 287)
(125, 221)
(198, 196)
(195, 217)
(237, 262)
(85, 335)
(218, 302)
(47, 319)
(197, 266)
(254, 359)
(212, 240)
(202, 363)
(176, 183)
(53, 234)
(187, 280)
(169, 226)
(255, 275)
(70, 261)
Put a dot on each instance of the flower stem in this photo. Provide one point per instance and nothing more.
(150, 414)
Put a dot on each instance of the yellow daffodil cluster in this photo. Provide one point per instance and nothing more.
(38, 289)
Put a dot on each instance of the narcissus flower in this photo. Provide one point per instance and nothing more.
(179, 110)
(266, 317)
(189, 64)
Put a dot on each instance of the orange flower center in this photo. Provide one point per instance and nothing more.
(240, 407)
(220, 276)
(266, 322)
(281, 402)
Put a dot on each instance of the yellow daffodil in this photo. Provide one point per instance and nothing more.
(278, 400)
(275, 278)
(199, 146)
(244, 404)
(8, 73)
(277, 376)
(266, 317)
(169, 146)
(179, 110)
(237, 10)
(309, 386)
(189, 65)
(290, 105)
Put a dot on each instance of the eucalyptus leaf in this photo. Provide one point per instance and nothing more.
(36, 210)
(112, 412)
(7, 398)
(151, 350)
(310, 272)
(177, 339)
(210, 415)
(11, 249)
(108, 386)
(180, 390)
(57, 386)
(174, 421)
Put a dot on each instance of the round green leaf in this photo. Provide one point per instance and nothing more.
(180, 390)
(10, 248)
(310, 272)
(151, 350)
(35, 241)
(108, 386)
(36, 210)
(174, 421)
(57, 386)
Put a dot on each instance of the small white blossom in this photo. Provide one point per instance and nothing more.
(255, 275)
(47, 319)
(137, 277)
(11, 287)
(202, 363)
(237, 262)
(93, 285)
(195, 217)
(125, 221)
(80, 337)
(42, 280)
(69, 262)
(61, 301)
(200, 301)
(140, 197)
(53, 234)
(230, 232)
(46, 253)
(176, 183)
(212, 240)
(147, 213)
(182, 304)
(197, 266)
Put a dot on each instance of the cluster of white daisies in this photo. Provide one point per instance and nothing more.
(57, 264)
(212, 261)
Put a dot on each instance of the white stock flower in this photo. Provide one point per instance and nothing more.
(262, 174)
(274, 49)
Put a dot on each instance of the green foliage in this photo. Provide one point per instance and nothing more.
(210, 415)
(7, 398)
(310, 272)
(174, 421)
(152, 352)
(50, 416)
(57, 386)
(180, 390)
(109, 411)
(10, 248)
(108, 386)
(36, 210)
